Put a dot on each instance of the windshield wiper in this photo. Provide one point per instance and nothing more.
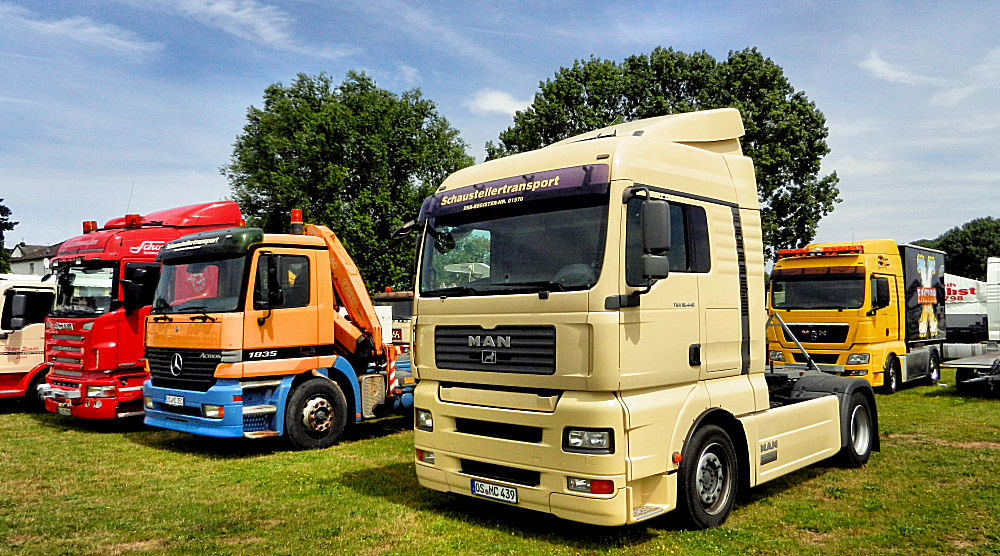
(203, 317)
(454, 290)
(534, 285)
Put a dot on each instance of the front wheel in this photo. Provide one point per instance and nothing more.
(861, 432)
(890, 376)
(707, 478)
(32, 398)
(316, 414)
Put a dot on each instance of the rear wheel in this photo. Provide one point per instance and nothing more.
(707, 478)
(860, 432)
(933, 370)
(316, 414)
(890, 376)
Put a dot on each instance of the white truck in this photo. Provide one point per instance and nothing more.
(603, 357)
(25, 300)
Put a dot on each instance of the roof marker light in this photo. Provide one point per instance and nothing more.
(89, 226)
(133, 221)
(297, 221)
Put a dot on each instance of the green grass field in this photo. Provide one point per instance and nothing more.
(70, 486)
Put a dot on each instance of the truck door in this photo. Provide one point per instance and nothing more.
(132, 323)
(661, 338)
(287, 327)
(886, 327)
(22, 349)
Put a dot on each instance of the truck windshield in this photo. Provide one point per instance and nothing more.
(84, 289)
(200, 286)
(827, 292)
(553, 245)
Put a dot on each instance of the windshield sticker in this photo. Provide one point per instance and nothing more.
(589, 178)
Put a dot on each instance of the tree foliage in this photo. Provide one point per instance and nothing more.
(785, 132)
(354, 157)
(5, 226)
(968, 246)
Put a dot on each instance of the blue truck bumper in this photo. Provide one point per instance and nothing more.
(185, 412)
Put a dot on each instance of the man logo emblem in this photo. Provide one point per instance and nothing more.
(176, 365)
(489, 357)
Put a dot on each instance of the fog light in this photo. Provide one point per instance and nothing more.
(425, 456)
(587, 440)
(148, 402)
(595, 486)
(213, 411)
(776, 355)
(424, 420)
(858, 359)
(104, 391)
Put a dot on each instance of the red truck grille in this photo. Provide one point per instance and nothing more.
(64, 347)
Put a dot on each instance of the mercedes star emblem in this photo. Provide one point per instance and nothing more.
(176, 365)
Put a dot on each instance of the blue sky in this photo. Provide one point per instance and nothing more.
(102, 98)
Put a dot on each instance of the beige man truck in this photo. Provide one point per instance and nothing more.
(25, 300)
(589, 332)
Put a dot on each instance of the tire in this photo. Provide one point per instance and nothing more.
(961, 376)
(315, 415)
(890, 376)
(861, 432)
(707, 478)
(32, 400)
(934, 370)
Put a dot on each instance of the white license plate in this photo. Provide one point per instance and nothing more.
(64, 410)
(174, 400)
(495, 492)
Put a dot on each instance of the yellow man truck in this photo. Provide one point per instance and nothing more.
(24, 302)
(246, 339)
(589, 332)
(870, 309)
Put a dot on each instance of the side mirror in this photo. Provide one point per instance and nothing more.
(654, 221)
(18, 310)
(132, 288)
(274, 297)
(880, 294)
(405, 229)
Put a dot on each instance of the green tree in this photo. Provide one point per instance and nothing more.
(968, 246)
(354, 157)
(5, 226)
(785, 132)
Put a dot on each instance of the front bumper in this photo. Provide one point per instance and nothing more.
(188, 416)
(67, 398)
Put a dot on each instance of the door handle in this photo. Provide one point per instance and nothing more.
(694, 355)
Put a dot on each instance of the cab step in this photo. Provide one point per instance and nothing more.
(265, 409)
(646, 512)
(260, 434)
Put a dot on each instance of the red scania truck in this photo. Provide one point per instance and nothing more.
(105, 280)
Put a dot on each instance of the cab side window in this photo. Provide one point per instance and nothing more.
(688, 241)
(293, 280)
(38, 306)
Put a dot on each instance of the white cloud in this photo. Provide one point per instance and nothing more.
(888, 72)
(408, 74)
(254, 22)
(488, 101)
(82, 30)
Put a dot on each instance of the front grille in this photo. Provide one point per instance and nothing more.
(256, 423)
(501, 472)
(818, 333)
(197, 370)
(504, 349)
(505, 431)
(64, 384)
(819, 358)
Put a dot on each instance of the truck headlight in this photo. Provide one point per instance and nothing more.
(213, 411)
(103, 391)
(775, 355)
(590, 486)
(857, 359)
(600, 441)
(148, 401)
(424, 420)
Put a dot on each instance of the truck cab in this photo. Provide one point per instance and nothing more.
(105, 281)
(25, 301)
(257, 335)
(589, 332)
(870, 309)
